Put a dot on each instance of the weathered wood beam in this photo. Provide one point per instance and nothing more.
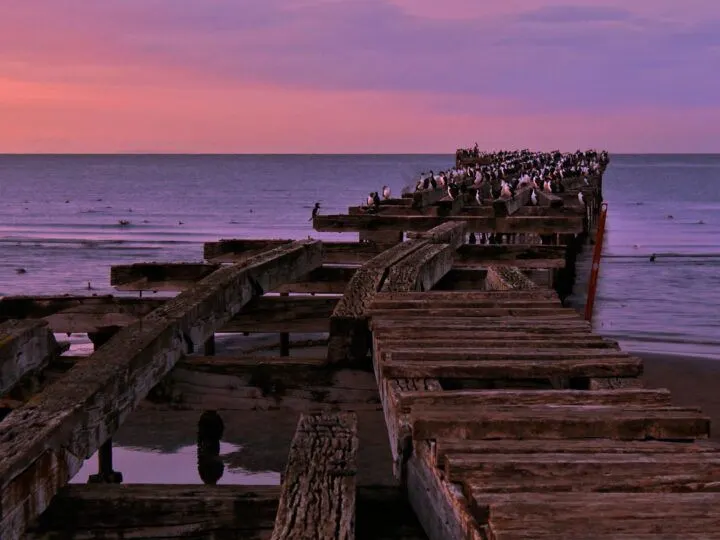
(73, 417)
(548, 199)
(411, 353)
(478, 313)
(238, 250)
(512, 369)
(421, 270)
(204, 512)
(349, 334)
(465, 449)
(158, 511)
(158, 276)
(497, 340)
(25, 347)
(595, 516)
(502, 278)
(532, 325)
(357, 253)
(77, 314)
(635, 398)
(323, 280)
(450, 232)
(507, 207)
(559, 422)
(427, 197)
(458, 300)
(521, 256)
(537, 224)
(508, 473)
(317, 499)
(456, 296)
(292, 314)
(180, 276)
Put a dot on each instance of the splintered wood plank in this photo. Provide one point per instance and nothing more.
(559, 422)
(658, 472)
(430, 303)
(482, 398)
(420, 270)
(317, 499)
(450, 296)
(591, 342)
(349, 339)
(275, 314)
(482, 334)
(25, 347)
(408, 352)
(513, 369)
(551, 224)
(470, 312)
(556, 325)
(599, 516)
(322, 280)
(85, 408)
(159, 276)
(450, 232)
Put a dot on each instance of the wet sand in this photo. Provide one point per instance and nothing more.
(692, 381)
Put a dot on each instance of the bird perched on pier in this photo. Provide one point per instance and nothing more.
(315, 211)
(370, 200)
(453, 191)
(386, 192)
(505, 190)
(533, 198)
(472, 239)
(478, 199)
(547, 187)
(376, 200)
(581, 198)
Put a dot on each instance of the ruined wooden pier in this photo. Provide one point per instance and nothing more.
(506, 416)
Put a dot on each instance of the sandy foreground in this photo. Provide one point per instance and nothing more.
(261, 439)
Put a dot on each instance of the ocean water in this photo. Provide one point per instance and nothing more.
(59, 220)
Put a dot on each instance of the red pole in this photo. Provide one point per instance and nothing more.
(597, 254)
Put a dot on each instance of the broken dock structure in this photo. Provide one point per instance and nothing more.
(502, 414)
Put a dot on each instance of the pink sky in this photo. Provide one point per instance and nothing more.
(346, 76)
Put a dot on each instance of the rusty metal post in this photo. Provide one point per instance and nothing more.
(597, 254)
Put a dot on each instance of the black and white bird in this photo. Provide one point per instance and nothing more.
(386, 192)
(478, 199)
(533, 198)
(370, 199)
(315, 211)
(581, 198)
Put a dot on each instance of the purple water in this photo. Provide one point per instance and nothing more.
(668, 305)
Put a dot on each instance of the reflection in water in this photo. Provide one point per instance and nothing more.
(210, 431)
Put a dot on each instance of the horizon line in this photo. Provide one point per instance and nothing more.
(276, 154)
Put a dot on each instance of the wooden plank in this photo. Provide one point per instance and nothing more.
(73, 417)
(501, 278)
(483, 333)
(548, 199)
(382, 301)
(349, 334)
(513, 369)
(158, 276)
(420, 270)
(466, 449)
(275, 314)
(467, 341)
(25, 347)
(508, 473)
(446, 296)
(477, 313)
(207, 512)
(317, 499)
(450, 232)
(427, 197)
(408, 352)
(351, 252)
(440, 506)
(635, 398)
(536, 325)
(323, 280)
(559, 422)
(507, 207)
(159, 511)
(596, 516)
(532, 224)
(239, 249)
(474, 255)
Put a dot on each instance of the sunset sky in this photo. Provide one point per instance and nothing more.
(383, 76)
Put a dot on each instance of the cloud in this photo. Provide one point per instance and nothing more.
(519, 60)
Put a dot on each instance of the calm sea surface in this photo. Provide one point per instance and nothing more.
(59, 220)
